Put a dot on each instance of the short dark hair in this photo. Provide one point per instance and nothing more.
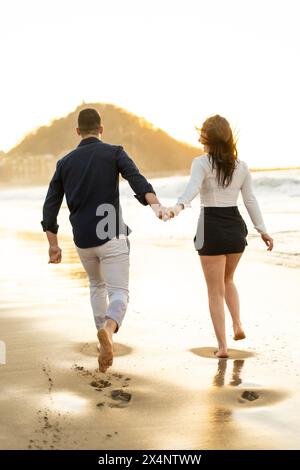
(89, 121)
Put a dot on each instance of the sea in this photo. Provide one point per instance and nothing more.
(278, 194)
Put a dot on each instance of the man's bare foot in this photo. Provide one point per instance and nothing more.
(105, 357)
(238, 333)
(221, 353)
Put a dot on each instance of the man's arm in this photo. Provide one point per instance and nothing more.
(131, 173)
(51, 208)
(158, 209)
(144, 191)
(54, 250)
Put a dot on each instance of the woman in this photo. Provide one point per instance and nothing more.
(219, 176)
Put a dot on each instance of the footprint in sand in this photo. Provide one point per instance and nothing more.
(249, 395)
(100, 384)
(116, 398)
(121, 397)
(82, 371)
(254, 398)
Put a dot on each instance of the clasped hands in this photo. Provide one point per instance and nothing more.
(166, 213)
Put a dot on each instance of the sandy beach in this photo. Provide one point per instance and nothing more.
(165, 390)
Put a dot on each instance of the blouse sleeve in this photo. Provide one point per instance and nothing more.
(251, 203)
(194, 184)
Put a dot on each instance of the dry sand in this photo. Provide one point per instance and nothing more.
(166, 390)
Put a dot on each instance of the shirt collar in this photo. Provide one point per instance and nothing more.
(89, 140)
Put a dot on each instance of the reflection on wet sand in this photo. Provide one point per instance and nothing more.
(220, 416)
(219, 378)
(221, 428)
(242, 395)
(228, 395)
(236, 372)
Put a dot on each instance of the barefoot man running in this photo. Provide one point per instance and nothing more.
(89, 178)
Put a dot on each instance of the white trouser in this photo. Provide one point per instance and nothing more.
(107, 267)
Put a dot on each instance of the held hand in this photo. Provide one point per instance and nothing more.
(54, 254)
(268, 241)
(160, 212)
(174, 210)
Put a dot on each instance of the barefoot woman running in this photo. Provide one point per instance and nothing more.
(220, 240)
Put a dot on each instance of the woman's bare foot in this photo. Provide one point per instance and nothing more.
(222, 352)
(238, 333)
(239, 336)
(105, 335)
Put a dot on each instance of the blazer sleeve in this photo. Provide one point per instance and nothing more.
(131, 173)
(53, 201)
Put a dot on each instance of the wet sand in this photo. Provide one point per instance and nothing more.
(166, 390)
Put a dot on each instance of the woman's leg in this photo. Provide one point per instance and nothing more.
(231, 294)
(214, 273)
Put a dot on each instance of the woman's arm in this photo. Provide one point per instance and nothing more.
(194, 184)
(251, 203)
(253, 209)
(191, 190)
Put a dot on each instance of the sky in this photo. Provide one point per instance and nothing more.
(172, 62)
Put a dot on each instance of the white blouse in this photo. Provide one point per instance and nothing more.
(203, 179)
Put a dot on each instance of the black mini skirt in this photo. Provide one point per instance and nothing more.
(220, 231)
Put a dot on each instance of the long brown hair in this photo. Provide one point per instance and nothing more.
(217, 135)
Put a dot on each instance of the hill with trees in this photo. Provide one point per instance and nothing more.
(153, 150)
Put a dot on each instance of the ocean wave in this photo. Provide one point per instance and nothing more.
(171, 187)
(286, 185)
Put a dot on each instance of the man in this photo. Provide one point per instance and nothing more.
(89, 178)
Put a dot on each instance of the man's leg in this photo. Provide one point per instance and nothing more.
(90, 261)
(115, 268)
